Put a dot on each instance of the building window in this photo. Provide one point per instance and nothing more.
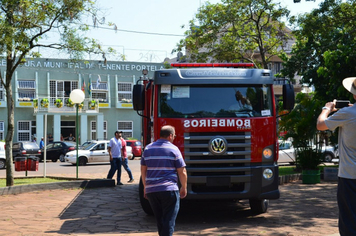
(2, 130)
(100, 91)
(124, 92)
(2, 92)
(93, 130)
(24, 131)
(26, 90)
(61, 89)
(126, 128)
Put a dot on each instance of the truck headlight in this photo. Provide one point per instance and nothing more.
(267, 153)
(267, 173)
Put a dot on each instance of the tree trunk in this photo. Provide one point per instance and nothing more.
(10, 131)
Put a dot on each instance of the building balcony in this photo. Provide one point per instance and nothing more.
(62, 105)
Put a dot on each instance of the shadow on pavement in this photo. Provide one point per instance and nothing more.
(301, 210)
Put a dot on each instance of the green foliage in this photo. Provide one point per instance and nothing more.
(324, 53)
(23, 24)
(234, 30)
(300, 125)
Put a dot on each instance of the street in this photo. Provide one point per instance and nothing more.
(302, 209)
(63, 169)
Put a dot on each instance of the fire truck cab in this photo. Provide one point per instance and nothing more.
(226, 126)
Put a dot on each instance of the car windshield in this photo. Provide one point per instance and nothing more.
(215, 101)
(89, 146)
(70, 144)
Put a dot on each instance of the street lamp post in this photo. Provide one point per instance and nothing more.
(77, 96)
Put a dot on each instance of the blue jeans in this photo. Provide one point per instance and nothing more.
(125, 164)
(165, 206)
(115, 165)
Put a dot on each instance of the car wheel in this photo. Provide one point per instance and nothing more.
(54, 159)
(259, 205)
(82, 161)
(146, 207)
(328, 156)
(61, 157)
(2, 164)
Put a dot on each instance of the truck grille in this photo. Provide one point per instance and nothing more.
(211, 172)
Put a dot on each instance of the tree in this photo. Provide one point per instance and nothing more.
(297, 125)
(324, 53)
(237, 30)
(23, 24)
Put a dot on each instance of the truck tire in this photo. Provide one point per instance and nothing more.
(146, 207)
(259, 205)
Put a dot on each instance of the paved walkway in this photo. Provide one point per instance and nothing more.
(301, 210)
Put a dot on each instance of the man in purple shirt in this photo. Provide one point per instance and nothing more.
(161, 165)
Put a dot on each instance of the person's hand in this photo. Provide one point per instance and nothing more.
(144, 193)
(331, 105)
(183, 192)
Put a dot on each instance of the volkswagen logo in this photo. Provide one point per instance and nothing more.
(217, 145)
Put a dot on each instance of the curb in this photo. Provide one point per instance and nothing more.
(93, 183)
(289, 178)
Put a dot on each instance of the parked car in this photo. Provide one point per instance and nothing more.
(329, 153)
(286, 152)
(57, 150)
(96, 151)
(25, 149)
(136, 148)
(2, 155)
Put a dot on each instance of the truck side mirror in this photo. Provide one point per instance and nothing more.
(138, 94)
(288, 96)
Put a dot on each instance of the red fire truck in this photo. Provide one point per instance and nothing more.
(226, 126)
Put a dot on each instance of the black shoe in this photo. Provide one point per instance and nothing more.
(130, 181)
(120, 183)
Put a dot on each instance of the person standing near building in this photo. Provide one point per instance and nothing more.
(161, 165)
(41, 143)
(125, 162)
(116, 153)
(344, 119)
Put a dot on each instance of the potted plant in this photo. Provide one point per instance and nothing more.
(92, 104)
(300, 128)
(44, 103)
(70, 103)
(35, 103)
(81, 105)
(58, 103)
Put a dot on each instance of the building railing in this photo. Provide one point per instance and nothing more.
(63, 104)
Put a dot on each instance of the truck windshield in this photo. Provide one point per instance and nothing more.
(214, 101)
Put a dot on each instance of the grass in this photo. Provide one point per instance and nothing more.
(25, 181)
(283, 170)
(289, 170)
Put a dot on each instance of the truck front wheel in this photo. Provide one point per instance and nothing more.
(146, 207)
(259, 205)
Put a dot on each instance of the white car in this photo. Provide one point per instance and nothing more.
(96, 151)
(2, 155)
(286, 152)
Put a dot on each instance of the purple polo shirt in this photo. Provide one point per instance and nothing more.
(162, 159)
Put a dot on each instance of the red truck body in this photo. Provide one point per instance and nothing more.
(230, 153)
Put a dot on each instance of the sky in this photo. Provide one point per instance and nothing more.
(162, 21)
